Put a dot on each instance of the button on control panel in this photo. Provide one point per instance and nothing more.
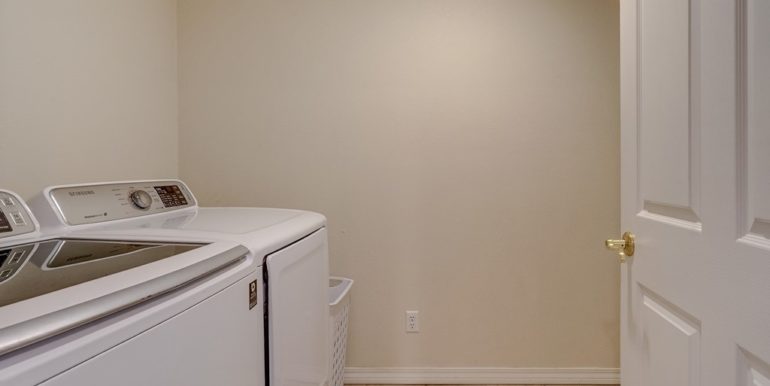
(17, 218)
(14, 218)
(12, 259)
(88, 204)
(171, 195)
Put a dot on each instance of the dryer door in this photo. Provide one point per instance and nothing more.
(298, 312)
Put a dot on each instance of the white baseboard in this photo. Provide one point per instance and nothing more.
(481, 375)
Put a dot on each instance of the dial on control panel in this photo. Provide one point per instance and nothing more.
(140, 199)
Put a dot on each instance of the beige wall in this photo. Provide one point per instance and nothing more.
(464, 152)
(88, 91)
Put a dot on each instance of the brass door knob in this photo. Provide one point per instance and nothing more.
(624, 247)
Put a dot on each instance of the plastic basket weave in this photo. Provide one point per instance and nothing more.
(339, 308)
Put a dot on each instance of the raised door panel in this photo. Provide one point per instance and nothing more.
(670, 343)
(755, 122)
(667, 132)
(751, 370)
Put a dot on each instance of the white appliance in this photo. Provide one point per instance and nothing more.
(77, 311)
(287, 248)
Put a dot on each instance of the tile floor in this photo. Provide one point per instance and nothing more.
(479, 385)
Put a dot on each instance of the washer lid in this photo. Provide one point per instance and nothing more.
(35, 269)
(52, 286)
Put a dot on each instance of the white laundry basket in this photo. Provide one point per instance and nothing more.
(339, 307)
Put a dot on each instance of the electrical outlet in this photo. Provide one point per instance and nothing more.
(413, 321)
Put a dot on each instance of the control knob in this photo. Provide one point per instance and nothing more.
(140, 199)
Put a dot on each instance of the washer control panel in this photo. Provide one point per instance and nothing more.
(14, 218)
(88, 204)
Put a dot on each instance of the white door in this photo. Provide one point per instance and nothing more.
(695, 145)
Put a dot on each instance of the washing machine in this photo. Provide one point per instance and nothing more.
(288, 249)
(80, 311)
